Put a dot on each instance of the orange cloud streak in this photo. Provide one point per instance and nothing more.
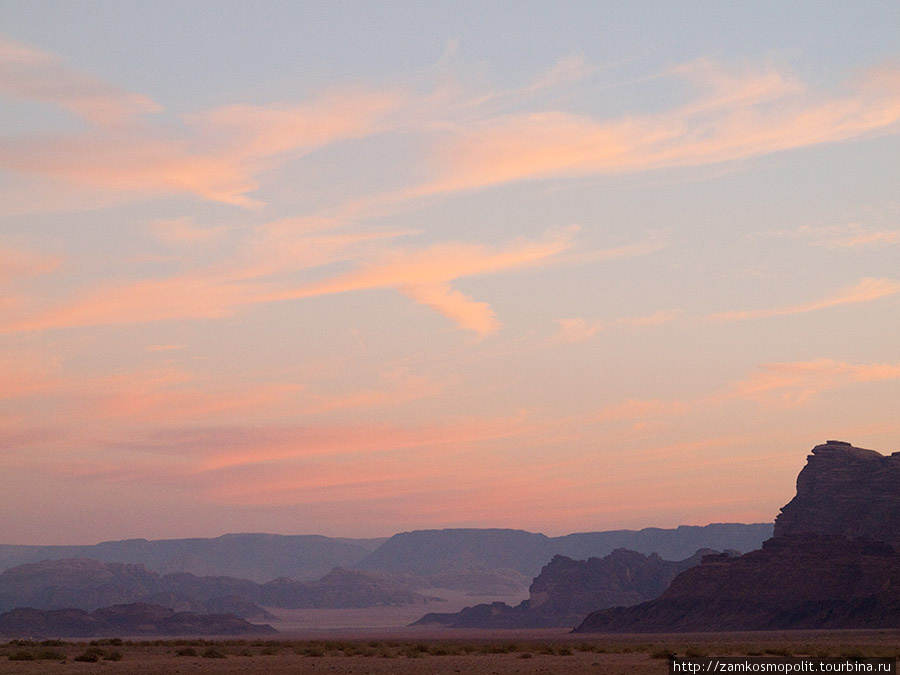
(31, 74)
(579, 330)
(227, 145)
(866, 290)
(744, 115)
(795, 383)
(423, 275)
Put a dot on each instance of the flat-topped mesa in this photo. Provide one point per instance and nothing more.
(848, 491)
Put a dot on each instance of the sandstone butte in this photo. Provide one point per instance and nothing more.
(832, 562)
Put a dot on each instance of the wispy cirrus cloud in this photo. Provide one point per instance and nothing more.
(214, 154)
(183, 231)
(841, 237)
(579, 330)
(31, 74)
(424, 274)
(739, 114)
(792, 383)
(797, 382)
(16, 263)
(867, 290)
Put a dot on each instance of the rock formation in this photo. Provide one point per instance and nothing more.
(847, 491)
(567, 589)
(831, 563)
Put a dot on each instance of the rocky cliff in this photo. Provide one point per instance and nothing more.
(831, 563)
(846, 491)
(567, 589)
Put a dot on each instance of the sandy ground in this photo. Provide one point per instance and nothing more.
(379, 641)
(438, 652)
(378, 619)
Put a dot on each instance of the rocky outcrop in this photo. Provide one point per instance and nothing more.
(122, 620)
(567, 589)
(846, 491)
(816, 572)
(795, 581)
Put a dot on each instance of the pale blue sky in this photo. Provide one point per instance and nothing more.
(360, 267)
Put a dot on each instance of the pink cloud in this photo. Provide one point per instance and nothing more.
(739, 115)
(841, 237)
(18, 263)
(867, 290)
(257, 131)
(184, 231)
(580, 330)
(216, 154)
(477, 317)
(642, 409)
(577, 330)
(187, 297)
(795, 383)
(34, 75)
(424, 275)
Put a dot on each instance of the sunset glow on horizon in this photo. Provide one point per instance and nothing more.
(359, 268)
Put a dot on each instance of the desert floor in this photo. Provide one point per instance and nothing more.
(379, 641)
(427, 651)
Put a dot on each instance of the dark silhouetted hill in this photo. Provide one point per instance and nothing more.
(91, 584)
(122, 620)
(816, 572)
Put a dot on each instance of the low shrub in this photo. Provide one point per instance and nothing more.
(23, 656)
(87, 656)
(662, 654)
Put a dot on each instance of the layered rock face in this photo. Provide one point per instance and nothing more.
(832, 562)
(567, 589)
(793, 582)
(846, 491)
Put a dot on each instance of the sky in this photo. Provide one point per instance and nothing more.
(356, 268)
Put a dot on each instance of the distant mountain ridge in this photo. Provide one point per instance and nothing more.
(442, 553)
(258, 557)
(90, 584)
(489, 559)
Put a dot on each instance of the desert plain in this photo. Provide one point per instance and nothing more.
(377, 642)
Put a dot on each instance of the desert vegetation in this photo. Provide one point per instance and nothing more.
(549, 654)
